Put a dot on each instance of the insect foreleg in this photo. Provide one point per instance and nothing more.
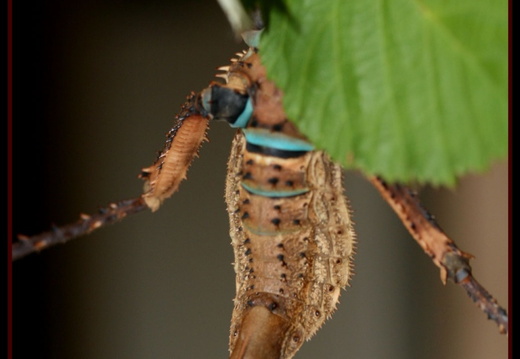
(162, 180)
(86, 224)
(182, 146)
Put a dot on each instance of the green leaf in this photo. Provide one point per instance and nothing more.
(410, 90)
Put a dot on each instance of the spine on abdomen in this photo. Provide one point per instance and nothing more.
(289, 220)
(292, 237)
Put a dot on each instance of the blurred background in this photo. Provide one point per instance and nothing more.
(96, 87)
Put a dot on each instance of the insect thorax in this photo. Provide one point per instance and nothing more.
(290, 224)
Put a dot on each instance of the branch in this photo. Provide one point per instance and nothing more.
(86, 224)
(453, 262)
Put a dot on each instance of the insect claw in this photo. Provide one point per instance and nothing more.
(222, 76)
(223, 68)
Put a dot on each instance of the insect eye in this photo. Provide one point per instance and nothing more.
(227, 104)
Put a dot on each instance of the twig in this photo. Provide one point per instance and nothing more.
(453, 262)
(86, 224)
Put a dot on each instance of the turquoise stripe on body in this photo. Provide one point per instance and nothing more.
(275, 140)
(244, 117)
(274, 193)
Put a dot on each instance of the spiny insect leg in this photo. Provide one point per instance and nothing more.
(86, 224)
(182, 146)
(162, 180)
(453, 262)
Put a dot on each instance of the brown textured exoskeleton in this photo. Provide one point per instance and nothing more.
(290, 225)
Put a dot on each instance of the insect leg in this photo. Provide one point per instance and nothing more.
(453, 262)
(162, 180)
(86, 224)
(182, 146)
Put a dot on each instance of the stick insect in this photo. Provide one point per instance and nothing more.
(201, 290)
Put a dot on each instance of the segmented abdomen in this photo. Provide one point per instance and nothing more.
(290, 228)
(290, 224)
(292, 252)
